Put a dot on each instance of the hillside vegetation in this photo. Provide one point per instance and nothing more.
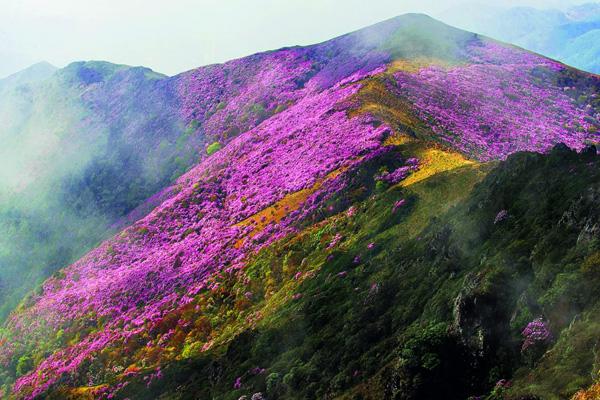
(408, 211)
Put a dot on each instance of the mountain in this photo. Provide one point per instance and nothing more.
(35, 73)
(584, 12)
(407, 211)
(569, 36)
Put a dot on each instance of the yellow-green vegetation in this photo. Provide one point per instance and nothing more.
(432, 161)
(213, 148)
(416, 64)
(374, 98)
(291, 202)
(593, 393)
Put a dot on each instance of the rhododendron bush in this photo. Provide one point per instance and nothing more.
(503, 101)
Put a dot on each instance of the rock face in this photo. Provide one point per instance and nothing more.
(584, 217)
(331, 223)
(468, 321)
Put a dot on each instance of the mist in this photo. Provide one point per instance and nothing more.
(70, 169)
(172, 37)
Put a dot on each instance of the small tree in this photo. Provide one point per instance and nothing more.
(536, 338)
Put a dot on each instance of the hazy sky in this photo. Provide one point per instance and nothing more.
(172, 36)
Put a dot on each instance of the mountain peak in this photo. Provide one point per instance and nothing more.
(41, 66)
(89, 72)
(32, 74)
(414, 35)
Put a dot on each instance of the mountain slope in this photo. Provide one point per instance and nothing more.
(338, 163)
(98, 139)
(32, 74)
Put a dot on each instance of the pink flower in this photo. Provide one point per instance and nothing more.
(536, 332)
(398, 204)
(503, 383)
(238, 383)
(258, 370)
(335, 241)
(501, 216)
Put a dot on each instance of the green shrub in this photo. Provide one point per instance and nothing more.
(381, 186)
(274, 385)
(213, 148)
(24, 365)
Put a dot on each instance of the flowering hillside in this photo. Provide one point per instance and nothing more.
(315, 244)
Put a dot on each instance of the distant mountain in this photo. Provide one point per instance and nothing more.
(33, 74)
(568, 36)
(584, 12)
(407, 211)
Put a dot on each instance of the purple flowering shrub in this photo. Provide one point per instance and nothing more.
(536, 333)
(397, 175)
(536, 339)
(501, 216)
(228, 99)
(493, 106)
(398, 204)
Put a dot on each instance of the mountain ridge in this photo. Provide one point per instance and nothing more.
(555, 33)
